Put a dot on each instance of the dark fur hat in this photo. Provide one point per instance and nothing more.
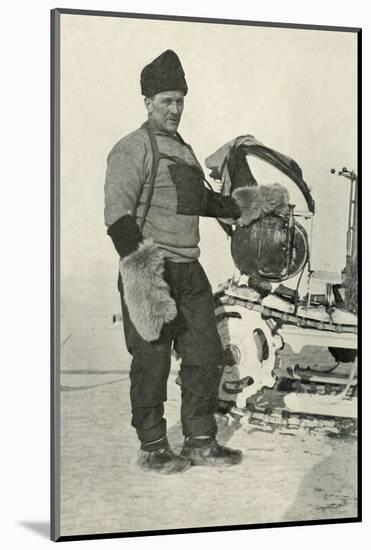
(163, 74)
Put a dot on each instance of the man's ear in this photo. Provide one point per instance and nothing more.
(148, 104)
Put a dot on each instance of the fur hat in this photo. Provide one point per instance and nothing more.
(163, 74)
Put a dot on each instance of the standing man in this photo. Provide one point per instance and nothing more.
(154, 195)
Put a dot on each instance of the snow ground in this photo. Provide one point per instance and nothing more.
(282, 478)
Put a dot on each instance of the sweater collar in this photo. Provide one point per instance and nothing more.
(159, 132)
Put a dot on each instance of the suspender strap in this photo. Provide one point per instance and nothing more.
(157, 156)
(153, 174)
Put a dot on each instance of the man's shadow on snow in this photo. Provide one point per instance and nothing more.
(329, 490)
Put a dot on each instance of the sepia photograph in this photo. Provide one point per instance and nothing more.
(205, 274)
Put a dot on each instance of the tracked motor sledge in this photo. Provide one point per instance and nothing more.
(291, 357)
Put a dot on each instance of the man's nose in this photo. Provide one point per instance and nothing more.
(174, 109)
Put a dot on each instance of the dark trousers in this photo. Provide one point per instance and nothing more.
(196, 340)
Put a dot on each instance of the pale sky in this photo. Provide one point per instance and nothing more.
(294, 90)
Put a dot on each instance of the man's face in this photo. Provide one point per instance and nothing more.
(165, 109)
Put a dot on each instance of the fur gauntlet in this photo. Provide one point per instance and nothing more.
(147, 294)
(257, 201)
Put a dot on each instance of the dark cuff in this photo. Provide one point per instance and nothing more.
(125, 235)
(160, 443)
(199, 442)
(221, 206)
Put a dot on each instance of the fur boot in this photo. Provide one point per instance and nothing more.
(260, 200)
(147, 295)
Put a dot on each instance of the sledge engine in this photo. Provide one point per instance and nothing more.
(289, 356)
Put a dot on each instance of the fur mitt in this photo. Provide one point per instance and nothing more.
(260, 200)
(147, 294)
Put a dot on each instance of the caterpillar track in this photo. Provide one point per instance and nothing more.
(291, 423)
(273, 381)
(287, 422)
